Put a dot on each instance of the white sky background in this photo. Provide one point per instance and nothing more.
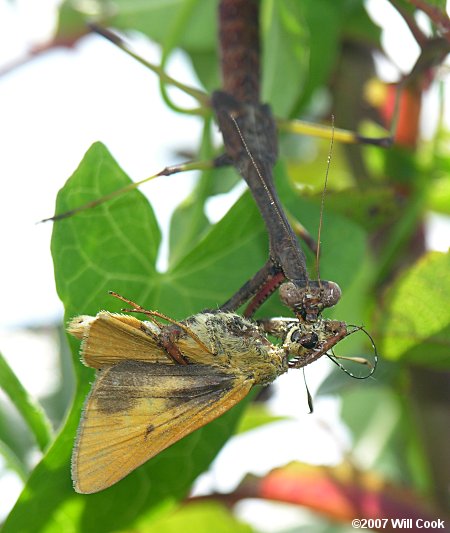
(51, 111)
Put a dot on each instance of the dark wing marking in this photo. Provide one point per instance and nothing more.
(135, 410)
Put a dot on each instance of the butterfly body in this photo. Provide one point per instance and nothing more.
(237, 346)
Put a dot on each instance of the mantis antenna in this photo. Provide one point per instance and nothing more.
(322, 203)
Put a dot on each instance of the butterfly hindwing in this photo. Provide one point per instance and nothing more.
(136, 409)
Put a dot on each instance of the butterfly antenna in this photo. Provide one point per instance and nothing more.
(322, 202)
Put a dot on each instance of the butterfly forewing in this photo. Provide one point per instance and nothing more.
(135, 410)
(109, 338)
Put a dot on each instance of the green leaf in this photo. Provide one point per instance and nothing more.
(382, 430)
(321, 19)
(12, 461)
(189, 221)
(370, 208)
(416, 320)
(338, 382)
(439, 196)
(71, 22)
(152, 17)
(225, 178)
(344, 245)
(255, 416)
(358, 26)
(200, 517)
(31, 411)
(187, 225)
(15, 434)
(284, 62)
(226, 257)
(155, 19)
(206, 68)
(114, 247)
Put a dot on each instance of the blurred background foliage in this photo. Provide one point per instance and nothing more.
(317, 59)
